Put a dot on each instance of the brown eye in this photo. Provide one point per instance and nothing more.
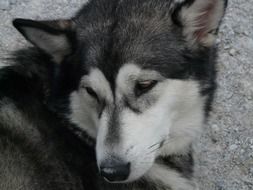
(144, 86)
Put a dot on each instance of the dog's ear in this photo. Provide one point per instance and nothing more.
(200, 20)
(56, 38)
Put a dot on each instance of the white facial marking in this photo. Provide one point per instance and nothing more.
(173, 117)
(84, 111)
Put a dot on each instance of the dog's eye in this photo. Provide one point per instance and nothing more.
(144, 86)
(91, 92)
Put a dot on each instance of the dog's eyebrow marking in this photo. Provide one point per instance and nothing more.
(97, 81)
(128, 70)
(130, 73)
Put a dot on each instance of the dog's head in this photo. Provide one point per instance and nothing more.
(135, 75)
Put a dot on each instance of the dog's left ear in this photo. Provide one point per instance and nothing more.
(56, 38)
(200, 20)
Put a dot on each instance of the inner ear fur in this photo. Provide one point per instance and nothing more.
(200, 20)
(55, 37)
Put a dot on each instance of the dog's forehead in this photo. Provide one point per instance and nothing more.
(135, 31)
(124, 82)
(131, 73)
(161, 51)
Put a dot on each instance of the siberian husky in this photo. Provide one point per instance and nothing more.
(135, 81)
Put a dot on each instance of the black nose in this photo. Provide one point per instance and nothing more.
(115, 170)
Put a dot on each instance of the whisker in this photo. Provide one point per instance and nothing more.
(165, 142)
(154, 145)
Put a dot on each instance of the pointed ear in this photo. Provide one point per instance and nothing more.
(200, 20)
(53, 37)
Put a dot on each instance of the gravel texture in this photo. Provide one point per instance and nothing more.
(225, 150)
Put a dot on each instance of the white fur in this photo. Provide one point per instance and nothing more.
(176, 116)
(84, 107)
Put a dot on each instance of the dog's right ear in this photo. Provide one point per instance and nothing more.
(56, 38)
(199, 19)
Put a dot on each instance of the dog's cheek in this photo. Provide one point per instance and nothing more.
(83, 114)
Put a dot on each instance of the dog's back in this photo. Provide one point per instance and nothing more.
(36, 151)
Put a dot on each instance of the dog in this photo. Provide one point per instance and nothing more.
(129, 82)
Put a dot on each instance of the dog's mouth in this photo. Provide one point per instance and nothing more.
(116, 169)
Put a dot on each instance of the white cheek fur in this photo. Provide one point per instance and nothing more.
(176, 117)
(83, 113)
(84, 108)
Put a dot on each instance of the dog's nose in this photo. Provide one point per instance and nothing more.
(115, 171)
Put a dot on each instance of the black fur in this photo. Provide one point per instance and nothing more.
(59, 159)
